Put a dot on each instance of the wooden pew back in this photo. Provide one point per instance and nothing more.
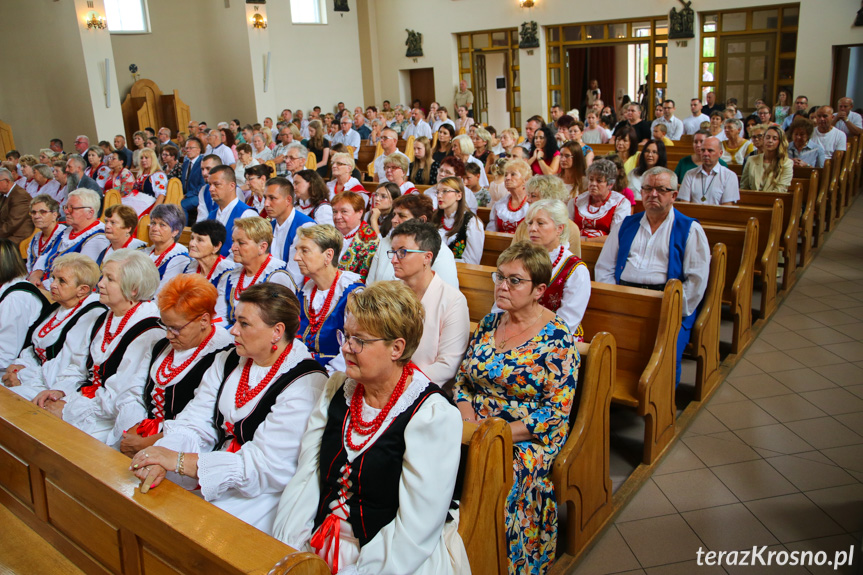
(791, 206)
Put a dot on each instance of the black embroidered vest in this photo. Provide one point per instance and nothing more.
(110, 367)
(458, 241)
(27, 287)
(54, 349)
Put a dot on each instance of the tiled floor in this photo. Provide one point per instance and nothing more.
(776, 457)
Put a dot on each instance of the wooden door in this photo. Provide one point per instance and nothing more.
(422, 86)
(7, 141)
(480, 104)
(746, 67)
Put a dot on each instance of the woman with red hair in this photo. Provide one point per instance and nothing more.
(187, 310)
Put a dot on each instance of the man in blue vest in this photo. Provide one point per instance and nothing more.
(279, 203)
(649, 248)
(223, 190)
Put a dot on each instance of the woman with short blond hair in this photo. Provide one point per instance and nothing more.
(509, 211)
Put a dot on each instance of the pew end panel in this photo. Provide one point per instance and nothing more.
(487, 482)
(821, 201)
(807, 218)
(704, 340)
(476, 285)
(581, 472)
(79, 495)
(495, 244)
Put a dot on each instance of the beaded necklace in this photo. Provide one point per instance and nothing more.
(165, 253)
(108, 337)
(51, 326)
(244, 394)
(316, 320)
(74, 235)
(559, 256)
(368, 429)
(44, 244)
(240, 289)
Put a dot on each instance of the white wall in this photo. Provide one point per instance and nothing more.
(495, 66)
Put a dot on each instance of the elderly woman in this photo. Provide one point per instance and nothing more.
(46, 184)
(102, 395)
(460, 229)
(62, 338)
(446, 327)
(508, 212)
(313, 196)
(546, 155)
(342, 166)
(568, 292)
(522, 366)
(375, 135)
(601, 208)
(360, 242)
(462, 148)
(245, 160)
(192, 342)
(238, 439)
(171, 257)
(396, 167)
(772, 170)
(45, 212)
(549, 188)
(802, 150)
(735, 148)
(381, 215)
(324, 296)
(260, 150)
(152, 181)
(22, 305)
(250, 249)
(385, 418)
(205, 246)
(481, 141)
(120, 223)
(652, 154)
(96, 167)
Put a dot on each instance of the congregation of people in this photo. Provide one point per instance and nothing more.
(294, 320)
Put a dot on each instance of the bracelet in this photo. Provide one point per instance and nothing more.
(180, 460)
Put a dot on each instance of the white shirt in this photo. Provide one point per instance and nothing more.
(224, 153)
(203, 212)
(693, 123)
(674, 125)
(439, 123)
(381, 268)
(33, 252)
(474, 243)
(264, 155)
(248, 483)
(576, 290)
(240, 171)
(719, 186)
(832, 141)
(421, 128)
(280, 150)
(175, 261)
(379, 165)
(500, 209)
(53, 189)
(648, 260)
(18, 312)
(853, 117)
(323, 215)
(94, 242)
(274, 272)
(223, 215)
(352, 138)
(280, 235)
(118, 404)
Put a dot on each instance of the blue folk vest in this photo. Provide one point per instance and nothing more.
(239, 209)
(300, 219)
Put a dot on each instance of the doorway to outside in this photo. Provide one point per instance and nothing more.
(422, 86)
(847, 74)
(619, 70)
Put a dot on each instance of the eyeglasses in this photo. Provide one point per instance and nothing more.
(400, 254)
(340, 164)
(444, 191)
(175, 330)
(69, 209)
(512, 281)
(355, 344)
(647, 190)
(39, 212)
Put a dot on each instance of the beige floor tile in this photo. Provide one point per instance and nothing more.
(833, 317)
(796, 321)
(824, 433)
(856, 390)
(726, 394)
(817, 457)
(789, 408)
(834, 401)
(853, 421)
(813, 357)
(824, 335)
(776, 438)
(773, 327)
(805, 304)
(830, 545)
(773, 361)
(843, 374)
(855, 312)
(816, 291)
(843, 503)
(711, 526)
(849, 351)
(745, 367)
(741, 414)
(660, 540)
(760, 346)
(807, 475)
(805, 379)
(697, 489)
(793, 518)
(758, 385)
(852, 330)
(680, 458)
(848, 457)
(714, 450)
(648, 502)
(785, 341)
(686, 568)
(610, 555)
(753, 480)
(754, 566)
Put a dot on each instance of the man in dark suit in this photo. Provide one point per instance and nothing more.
(192, 178)
(120, 146)
(15, 222)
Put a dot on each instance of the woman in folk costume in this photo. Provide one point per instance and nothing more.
(45, 213)
(360, 242)
(600, 208)
(168, 254)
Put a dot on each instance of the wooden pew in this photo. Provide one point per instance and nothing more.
(79, 495)
(821, 222)
(834, 194)
(807, 217)
(495, 243)
(704, 339)
(174, 194)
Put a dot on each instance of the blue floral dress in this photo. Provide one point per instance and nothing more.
(533, 383)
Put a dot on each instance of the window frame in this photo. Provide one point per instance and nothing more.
(145, 8)
(322, 13)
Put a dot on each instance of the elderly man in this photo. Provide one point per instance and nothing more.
(296, 155)
(347, 135)
(674, 125)
(216, 145)
(223, 190)
(846, 120)
(361, 128)
(164, 136)
(285, 139)
(712, 104)
(832, 139)
(77, 179)
(81, 144)
(56, 146)
(125, 153)
(389, 143)
(711, 183)
(464, 97)
(15, 222)
(693, 123)
(84, 234)
(649, 248)
(533, 124)
(417, 126)
(801, 104)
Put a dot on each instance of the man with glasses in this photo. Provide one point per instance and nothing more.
(389, 144)
(295, 159)
(656, 245)
(15, 222)
(280, 151)
(81, 144)
(347, 135)
(801, 104)
(674, 125)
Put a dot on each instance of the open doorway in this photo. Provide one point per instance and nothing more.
(848, 74)
(422, 86)
(620, 70)
(492, 104)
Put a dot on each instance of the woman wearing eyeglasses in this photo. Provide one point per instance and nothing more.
(342, 166)
(382, 430)
(171, 257)
(522, 365)
(600, 208)
(102, 394)
(238, 438)
(45, 213)
(187, 310)
(324, 296)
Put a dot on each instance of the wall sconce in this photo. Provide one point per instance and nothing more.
(95, 21)
(526, 3)
(258, 21)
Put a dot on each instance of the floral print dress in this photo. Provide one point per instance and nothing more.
(533, 383)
